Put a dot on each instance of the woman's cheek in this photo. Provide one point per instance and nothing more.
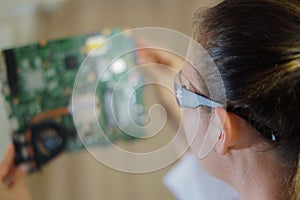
(194, 127)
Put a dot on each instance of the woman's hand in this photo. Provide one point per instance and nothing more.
(13, 184)
(162, 66)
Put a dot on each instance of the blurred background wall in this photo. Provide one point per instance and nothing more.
(79, 176)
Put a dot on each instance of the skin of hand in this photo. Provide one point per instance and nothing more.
(160, 60)
(13, 184)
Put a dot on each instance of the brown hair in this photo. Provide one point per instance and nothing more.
(256, 47)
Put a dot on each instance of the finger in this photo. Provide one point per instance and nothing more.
(9, 177)
(144, 57)
(151, 54)
(7, 161)
(20, 178)
(163, 57)
(159, 55)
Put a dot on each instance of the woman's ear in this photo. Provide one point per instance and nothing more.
(228, 131)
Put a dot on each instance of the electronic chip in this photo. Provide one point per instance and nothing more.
(71, 62)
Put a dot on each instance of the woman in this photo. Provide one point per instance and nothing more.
(255, 45)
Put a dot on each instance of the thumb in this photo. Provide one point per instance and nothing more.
(19, 189)
(21, 178)
(7, 162)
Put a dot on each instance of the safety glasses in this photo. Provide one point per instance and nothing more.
(189, 99)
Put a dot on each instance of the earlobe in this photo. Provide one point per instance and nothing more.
(223, 144)
(226, 136)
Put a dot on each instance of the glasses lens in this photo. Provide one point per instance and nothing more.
(185, 98)
(189, 99)
(177, 89)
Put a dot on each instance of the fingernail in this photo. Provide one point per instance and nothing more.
(23, 168)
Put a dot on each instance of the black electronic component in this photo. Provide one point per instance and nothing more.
(11, 64)
(42, 143)
(71, 62)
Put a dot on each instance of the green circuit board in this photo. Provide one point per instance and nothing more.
(37, 83)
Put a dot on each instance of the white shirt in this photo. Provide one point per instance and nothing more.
(189, 181)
